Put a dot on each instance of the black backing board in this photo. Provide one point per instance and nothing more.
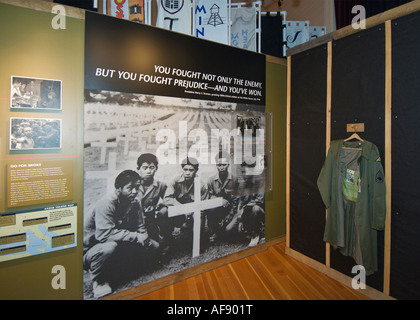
(140, 51)
(272, 29)
(405, 211)
(307, 154)
(358, 96)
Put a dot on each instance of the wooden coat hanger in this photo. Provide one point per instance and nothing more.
(354, 136)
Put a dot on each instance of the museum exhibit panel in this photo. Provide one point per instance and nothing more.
(77, 120)
(133, 157)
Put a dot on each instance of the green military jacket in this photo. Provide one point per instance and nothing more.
(352, 187)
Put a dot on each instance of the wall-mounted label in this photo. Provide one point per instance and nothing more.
(28, 233)
(38, 182)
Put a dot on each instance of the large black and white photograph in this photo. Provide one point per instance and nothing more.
(35, 93)
(164, 189)
(34, 134)
(171, 181)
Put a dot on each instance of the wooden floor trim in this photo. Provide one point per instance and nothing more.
(270, 274)
(333, 274)
(191, 272)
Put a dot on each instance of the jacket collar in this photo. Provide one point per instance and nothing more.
(366, 146)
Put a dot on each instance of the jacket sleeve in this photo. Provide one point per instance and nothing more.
(377, 191)
(170, 197)
(324, 179)
(106, 226)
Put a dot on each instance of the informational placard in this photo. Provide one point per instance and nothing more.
(147, 60)
(29, 233)
(36, 182)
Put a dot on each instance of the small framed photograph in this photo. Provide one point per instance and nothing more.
(34, 133)
(248, 123)
(34, 93)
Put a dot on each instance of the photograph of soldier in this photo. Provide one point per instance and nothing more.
(115, 240)
(164, 140)
(31, 133)
(181, 191)
(21, 136)
(252, 218)
(35, 93)
(252, 123)
(220, 185)
(151, 195)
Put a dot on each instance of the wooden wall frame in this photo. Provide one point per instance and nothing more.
(386, 18)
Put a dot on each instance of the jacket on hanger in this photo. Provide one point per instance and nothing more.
(352, 187)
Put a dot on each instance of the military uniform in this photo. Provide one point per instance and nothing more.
(352, 187)
(112, 231)
(155, 212)
(181, 191)
(217, 218)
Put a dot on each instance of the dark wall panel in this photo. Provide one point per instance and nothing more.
(358, 96)
(272, 29)
(308, 116)
(405, 212)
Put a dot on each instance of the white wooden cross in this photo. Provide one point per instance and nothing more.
(127, 136)
(195, 207)
(103, 144)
